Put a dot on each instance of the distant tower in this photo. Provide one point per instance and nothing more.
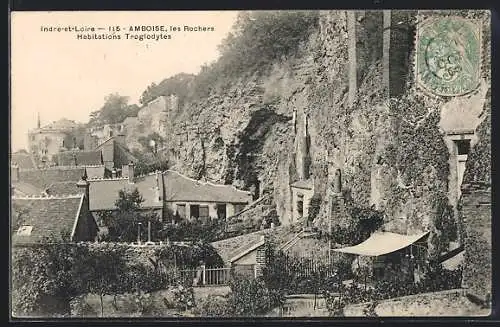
(38, 121)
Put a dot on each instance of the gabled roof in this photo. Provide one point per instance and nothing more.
(43, 178)
(233, 248)
(23, 160)
(104, 192)
(182, 188)
(62, 123)
(46, 215)
(83, 158)
(120, 154)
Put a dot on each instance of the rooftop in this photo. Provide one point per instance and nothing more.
(82, 158)
(104, 192)
(61, 188)
(182, 188)
(43, 178)
(44, 217)
(23, 160)
(26, 189)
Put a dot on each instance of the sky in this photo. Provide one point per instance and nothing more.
(56, 75)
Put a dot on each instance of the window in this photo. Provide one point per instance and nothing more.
(24, 230)
(204, 212)
(463, 147)
(300, 205)
(462, 150)
(221, 210)
(194, 211)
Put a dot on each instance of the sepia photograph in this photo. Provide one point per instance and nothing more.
(244, 164)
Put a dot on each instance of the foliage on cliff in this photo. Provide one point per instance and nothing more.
(178, 85)
(115, 109)
(258, 39)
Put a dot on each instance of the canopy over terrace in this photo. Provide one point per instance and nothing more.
(381, 243)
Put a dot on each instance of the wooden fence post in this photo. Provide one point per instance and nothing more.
(203, 275)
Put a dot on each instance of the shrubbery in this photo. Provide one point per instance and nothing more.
(63, 272)
(252, 297)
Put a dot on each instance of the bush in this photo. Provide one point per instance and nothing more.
(183, 297)
(212, 306)
(251, 297)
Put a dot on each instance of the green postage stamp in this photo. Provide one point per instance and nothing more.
(448, 56)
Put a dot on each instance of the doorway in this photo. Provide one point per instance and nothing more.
(221, 211)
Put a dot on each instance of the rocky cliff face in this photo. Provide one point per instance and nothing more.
(391, 151)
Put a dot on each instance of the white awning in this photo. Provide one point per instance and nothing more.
(380, 243)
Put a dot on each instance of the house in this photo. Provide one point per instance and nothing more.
(115, 153)
(78, 158)
(22, 188)
(44, 142)
(52, 180)
(23, 160)
(34, 219)
(245, 254)
(186, 197)
(190, 198)
(103, 192)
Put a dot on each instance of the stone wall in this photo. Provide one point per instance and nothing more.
(476, 212)
(450, 303)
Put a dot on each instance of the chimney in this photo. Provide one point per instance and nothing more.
(337, 186)
(131, 176)
(83, 184)
(15, 173)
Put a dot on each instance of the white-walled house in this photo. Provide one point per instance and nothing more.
(191, 198)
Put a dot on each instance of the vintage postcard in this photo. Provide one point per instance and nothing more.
(323, 163)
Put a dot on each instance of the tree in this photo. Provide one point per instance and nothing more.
(114, 110)
(47, 277)
(108, 270)
(178, 85)
(123, 223)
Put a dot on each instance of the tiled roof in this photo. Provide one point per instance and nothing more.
(95, 172)
(83, 158)
(232, 247)
(120, 154)
(43, 178)
(26, 189)
(62, 123)
(48, 216)
(61, 188)
(23, 160)
(181, 188)
(104, 192)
